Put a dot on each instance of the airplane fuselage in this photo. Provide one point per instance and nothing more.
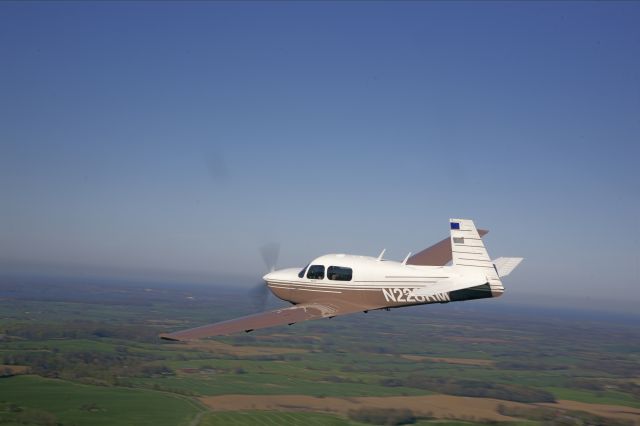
(376, 284)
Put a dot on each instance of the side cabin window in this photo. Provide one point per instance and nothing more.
(301, 273)
(338, 273)
(316, 272)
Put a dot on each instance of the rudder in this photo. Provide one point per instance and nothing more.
(468, 251)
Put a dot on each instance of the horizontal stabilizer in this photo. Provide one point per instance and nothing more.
(504, 265)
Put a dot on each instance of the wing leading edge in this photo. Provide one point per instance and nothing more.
(297, 313)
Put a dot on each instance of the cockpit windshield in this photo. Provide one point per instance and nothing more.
(301, 273)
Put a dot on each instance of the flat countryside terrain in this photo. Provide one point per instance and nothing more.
(76, 353)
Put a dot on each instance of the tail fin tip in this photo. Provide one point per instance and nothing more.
(506, 265)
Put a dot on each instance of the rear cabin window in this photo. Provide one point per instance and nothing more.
(316, 272)
(301, 273)
(338, 273)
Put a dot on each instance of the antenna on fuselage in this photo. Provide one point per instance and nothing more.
(404, 262)
(381, 254)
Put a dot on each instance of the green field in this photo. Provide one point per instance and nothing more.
(79, 404)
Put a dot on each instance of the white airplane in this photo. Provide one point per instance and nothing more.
(340, 284)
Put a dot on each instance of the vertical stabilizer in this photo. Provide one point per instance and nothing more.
(468, 251)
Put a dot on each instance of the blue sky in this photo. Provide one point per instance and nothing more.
(176, 138)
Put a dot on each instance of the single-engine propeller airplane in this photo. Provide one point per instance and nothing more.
(340, 284)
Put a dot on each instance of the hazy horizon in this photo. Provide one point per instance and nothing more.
(174, 139)
(92, 276)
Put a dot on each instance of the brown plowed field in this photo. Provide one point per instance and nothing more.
(14, 369)
(604, 410)
(439, 406)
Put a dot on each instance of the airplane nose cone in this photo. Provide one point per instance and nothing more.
(281, 274)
